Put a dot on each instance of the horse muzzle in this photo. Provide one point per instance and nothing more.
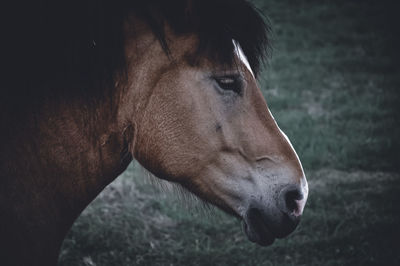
(263, 223)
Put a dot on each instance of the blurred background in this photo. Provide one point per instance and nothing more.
(333, 85)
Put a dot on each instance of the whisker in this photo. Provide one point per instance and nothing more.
(177, 193)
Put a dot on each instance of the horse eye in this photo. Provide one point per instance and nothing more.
(230, 83)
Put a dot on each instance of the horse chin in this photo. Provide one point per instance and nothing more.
(258, 233)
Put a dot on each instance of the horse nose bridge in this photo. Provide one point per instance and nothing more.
(276, 147)
(289, 160)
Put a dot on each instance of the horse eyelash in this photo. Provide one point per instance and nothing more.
(235, 86)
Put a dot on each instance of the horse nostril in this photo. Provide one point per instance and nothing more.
(292, 200)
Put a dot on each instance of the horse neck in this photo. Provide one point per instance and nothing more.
(69, 150)
(53, 163)
(56, 161)
(83, 147)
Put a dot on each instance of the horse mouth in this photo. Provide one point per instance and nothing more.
(258, 231)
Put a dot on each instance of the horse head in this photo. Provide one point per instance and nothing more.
(203, 123)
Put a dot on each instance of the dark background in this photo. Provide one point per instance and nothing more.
(333, 86)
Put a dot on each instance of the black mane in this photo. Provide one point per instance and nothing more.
(75, 47)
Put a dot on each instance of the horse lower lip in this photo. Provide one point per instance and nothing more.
(259, 234)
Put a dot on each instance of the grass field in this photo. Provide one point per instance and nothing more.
(332, 85)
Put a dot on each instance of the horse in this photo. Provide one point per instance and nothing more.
(88, 86)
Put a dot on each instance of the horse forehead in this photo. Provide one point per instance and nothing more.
(240, 54)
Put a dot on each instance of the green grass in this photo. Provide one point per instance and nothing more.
(333, 82)
(351, 219)
(332, 86)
